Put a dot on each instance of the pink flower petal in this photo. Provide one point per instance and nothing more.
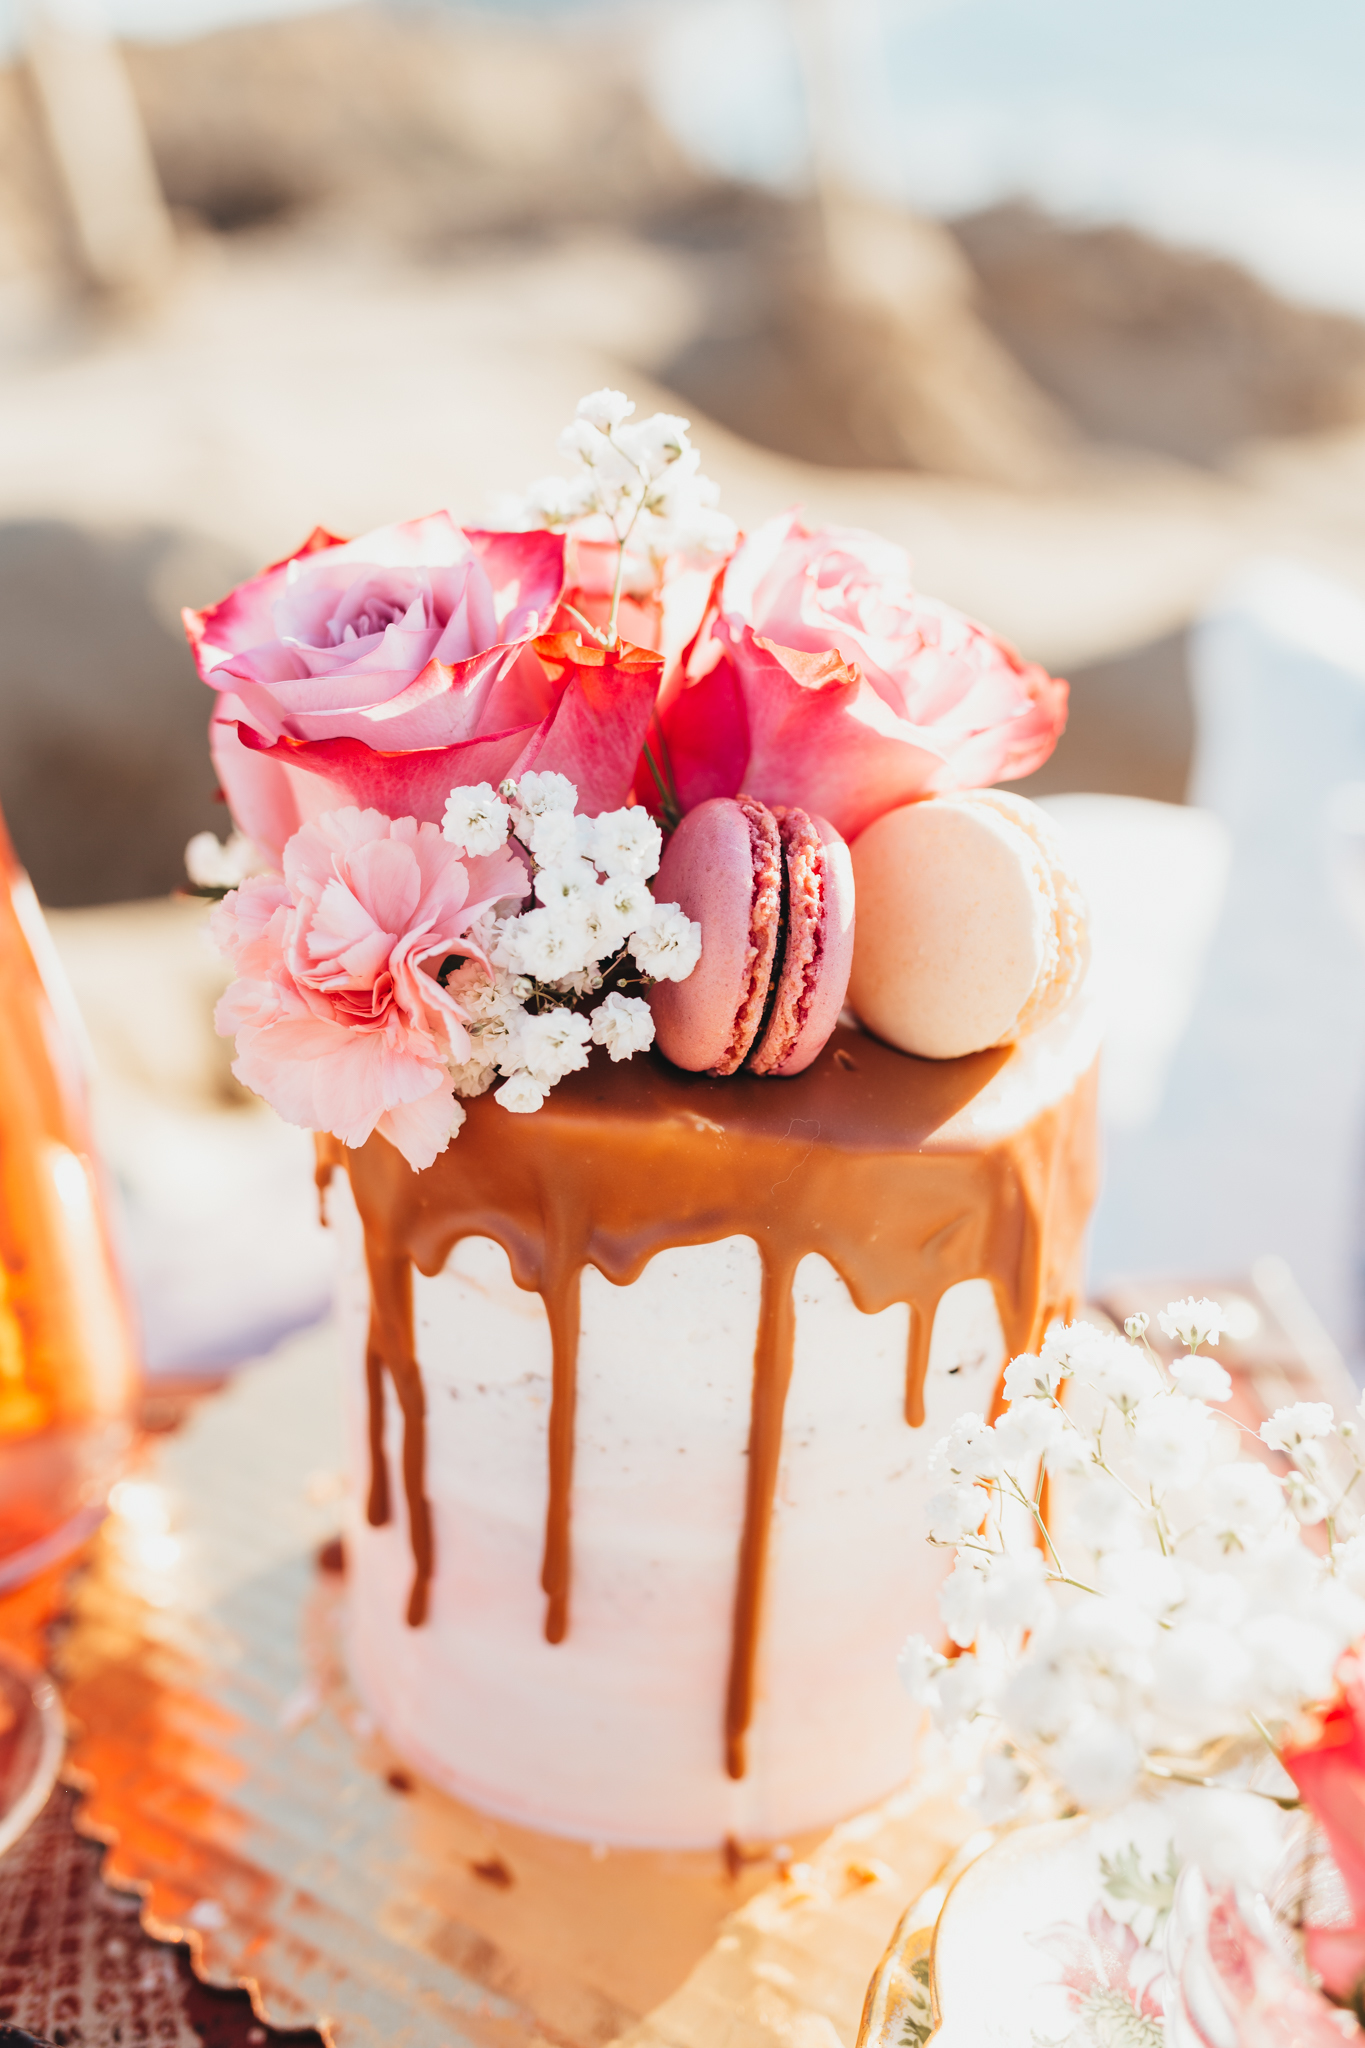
(823, 678)
(421, 1130)
(794, 728)
(412, 784)
(326, 1077)
(525, 571)
(599, 725)
(439, 669)
(245, 615)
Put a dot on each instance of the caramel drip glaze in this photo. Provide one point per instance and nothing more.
(859, 1158)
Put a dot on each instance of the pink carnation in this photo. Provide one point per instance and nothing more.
(825, 679)
(340, 1020)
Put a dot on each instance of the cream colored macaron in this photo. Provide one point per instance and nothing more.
(971, 927)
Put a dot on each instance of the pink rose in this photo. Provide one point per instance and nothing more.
(340, 1020)
(826, 680)
(388, 669)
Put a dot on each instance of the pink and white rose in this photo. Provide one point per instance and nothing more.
(341, 1020)
(825, 679)
(386, 670)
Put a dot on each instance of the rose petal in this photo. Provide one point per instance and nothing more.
(597, 730)
(525, 571)
(402, 784)
(821, 677)
(794, 728)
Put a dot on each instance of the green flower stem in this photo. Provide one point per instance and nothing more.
(598, 635)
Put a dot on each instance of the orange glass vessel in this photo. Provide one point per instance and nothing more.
(68, 1365)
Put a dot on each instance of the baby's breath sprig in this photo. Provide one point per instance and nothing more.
(1167, 1600)
(540, 985)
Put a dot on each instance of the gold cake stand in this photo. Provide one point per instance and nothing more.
(240, 1788)
(242, 1791)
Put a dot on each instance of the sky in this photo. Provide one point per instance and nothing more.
(1231, 125)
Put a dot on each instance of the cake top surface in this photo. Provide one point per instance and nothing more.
(859, 1095)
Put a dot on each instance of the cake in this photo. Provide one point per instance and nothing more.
(641, 1377)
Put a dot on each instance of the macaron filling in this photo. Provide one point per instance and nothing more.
(804, 922)
(765, 920)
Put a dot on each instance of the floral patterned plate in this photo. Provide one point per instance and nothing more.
(1046, 1936)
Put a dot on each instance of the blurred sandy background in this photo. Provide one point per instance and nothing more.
(347, 265)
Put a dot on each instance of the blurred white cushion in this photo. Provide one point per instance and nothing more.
(1154, 876)
(1257, 1145)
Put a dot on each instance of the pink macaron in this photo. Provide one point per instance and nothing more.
(773, 893)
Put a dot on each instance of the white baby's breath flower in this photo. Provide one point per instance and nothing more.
(1014, 1594)
(1350, 1562)
(556, 838)
(214, 863)
(1028, 1429)
(1193, 1322)
(959, 1693)
(623, 904)
(996, 1792)
(605, 409)
(1307, 1502)
(1135, 1327)
(1103, 1517)
(547, 943)
(1298, 1423)
(1293, 1659)
(955, 1513)
(668, 946)
(657, 443)
(1172, 1438)
(961, 1599)
(1201, 1678)
(1031, 1377)
(476, 820)
(1115, 1370)
(1244, 1499)
(521, 1093)
(1204, 1379)
(1098, 1760)
(1143, 1578)
(554, 1044)
(917, 1667)
(641, 478)
(627, 842)
(568, 882)
(550, 501)
(624, 1025)
(968, 1452)
(537, 794)
(474, 1077)
(1041, 1697)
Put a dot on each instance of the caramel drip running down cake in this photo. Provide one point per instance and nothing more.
(702, 1072)
(750, 1390)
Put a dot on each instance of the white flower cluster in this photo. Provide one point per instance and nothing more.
(219, 865)
(642, 478)
(593, 910)
(1167, 1598)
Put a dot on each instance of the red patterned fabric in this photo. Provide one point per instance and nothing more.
(77, 1971)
